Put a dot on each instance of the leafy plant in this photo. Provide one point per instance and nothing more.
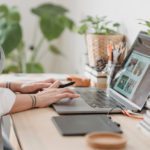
(11, 34)
(9, 28)
(98, 25)
(52, 22)
(146, 23)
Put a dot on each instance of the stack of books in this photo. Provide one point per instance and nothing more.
(144, 125)
(98, 79)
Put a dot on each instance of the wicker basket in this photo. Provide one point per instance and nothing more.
(97, 46)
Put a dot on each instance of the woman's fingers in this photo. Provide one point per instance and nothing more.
(56, 90)
(55, 84)
(67, 95)
(59, 90)
(49, 80)
(52, 95)
(42, 85)
(67, 90)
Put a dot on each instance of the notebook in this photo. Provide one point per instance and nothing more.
(82, 124)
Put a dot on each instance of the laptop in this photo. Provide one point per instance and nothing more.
(128, 90)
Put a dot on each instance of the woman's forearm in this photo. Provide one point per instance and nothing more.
(22, 102)
(14, 86)
(41, 99)
(3, 84)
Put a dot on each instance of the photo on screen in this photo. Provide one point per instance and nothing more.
(129, 78)
(123, 81)
(139, 69)
(130, 86)
(131, 65)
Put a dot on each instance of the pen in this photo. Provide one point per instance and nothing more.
(65, 85)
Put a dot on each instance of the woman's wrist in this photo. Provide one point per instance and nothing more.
(24, 102)
(16, 87)
(41, 101)
(34, 101)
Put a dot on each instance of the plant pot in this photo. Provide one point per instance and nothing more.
(97, 46)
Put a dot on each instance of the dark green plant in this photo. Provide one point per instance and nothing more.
(146, 23)
(11, 35)
(98, 25)
(52, 22)
(10, 29)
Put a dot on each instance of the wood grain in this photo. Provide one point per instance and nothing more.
(36, 131)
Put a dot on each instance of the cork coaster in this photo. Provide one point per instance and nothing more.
(106, 140)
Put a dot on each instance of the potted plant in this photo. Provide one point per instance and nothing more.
(99, 32)
(53, 20)
(146, 23)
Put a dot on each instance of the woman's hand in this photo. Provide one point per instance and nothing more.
(32, 87)
(43, 99)
(52, 95)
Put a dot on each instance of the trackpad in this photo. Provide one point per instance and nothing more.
(77, 105)
(76, 102)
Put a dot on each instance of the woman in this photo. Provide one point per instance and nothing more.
(16, 97)
(11, 102)
(49, 93)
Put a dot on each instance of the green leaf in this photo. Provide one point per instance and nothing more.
(147, 23)
(67, 22)
(87, 19)
(148, 31)
(55, 50)
(116, 25)
(3, 10)
(11, 69)
(3, 28)
(51, 28)
(47, 10)
(14, 15)
(13, 35)
(10, 29)
(53, 20)
(34, 68)
(99, 24)
(83, 29)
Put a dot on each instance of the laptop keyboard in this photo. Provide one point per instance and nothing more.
(97, 98)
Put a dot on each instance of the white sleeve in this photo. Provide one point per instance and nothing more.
(7, 99)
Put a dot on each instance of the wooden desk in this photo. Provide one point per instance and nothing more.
(36, 131)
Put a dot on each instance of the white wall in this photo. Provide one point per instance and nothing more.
(126, 12)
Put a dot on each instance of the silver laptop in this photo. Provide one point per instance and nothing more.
(129, 89)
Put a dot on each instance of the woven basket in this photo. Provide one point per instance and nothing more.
(97, 46)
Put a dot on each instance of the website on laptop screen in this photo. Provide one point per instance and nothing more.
(128, 79)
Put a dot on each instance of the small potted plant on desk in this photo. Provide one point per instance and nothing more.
(98, 33)
(101, 35)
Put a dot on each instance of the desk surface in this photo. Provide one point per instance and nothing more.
(36, 131)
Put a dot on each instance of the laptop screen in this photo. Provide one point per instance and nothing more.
(128, 79)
